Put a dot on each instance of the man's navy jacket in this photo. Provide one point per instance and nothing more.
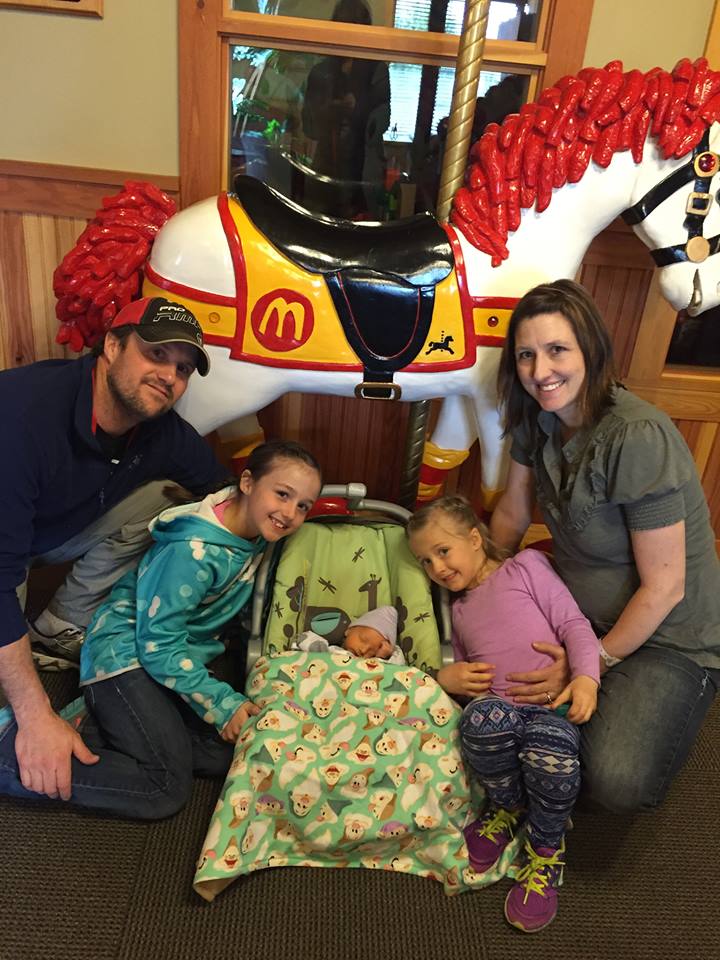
(55, 479)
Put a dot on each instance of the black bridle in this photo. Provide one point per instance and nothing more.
(701, 167)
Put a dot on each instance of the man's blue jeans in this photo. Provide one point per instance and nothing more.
(650, 709)
(149, 742)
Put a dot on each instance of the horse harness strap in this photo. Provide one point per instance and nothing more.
(701, 167)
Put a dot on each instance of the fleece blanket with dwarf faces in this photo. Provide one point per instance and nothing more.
(350, 763)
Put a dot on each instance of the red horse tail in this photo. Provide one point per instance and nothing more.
(102, 273)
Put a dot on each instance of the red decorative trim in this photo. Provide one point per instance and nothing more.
(285, 363)
(433, 475)
(449, 365)
(496, 303)
(217, 340)
(466, 303)
(183, 290)
(240, 270)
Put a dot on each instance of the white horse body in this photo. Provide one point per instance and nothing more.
(192, 250)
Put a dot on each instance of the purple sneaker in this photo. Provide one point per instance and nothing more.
(487, 837)
(533, 899)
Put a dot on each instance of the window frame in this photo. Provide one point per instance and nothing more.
(208, 27)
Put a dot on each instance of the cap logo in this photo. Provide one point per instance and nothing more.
(173, 314)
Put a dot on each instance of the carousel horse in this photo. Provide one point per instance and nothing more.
(415, 309)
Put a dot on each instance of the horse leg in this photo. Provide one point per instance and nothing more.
(461, 420)
(486, 419)
(447, 448)
(494, 454)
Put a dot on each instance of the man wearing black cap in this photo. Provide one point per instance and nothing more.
(88, 448)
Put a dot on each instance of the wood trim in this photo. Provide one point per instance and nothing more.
(655, 332)
(66, 191)
(566, 38)
(618, 246)
(15, 338)
(707, 435)
(203, 134)
(712, 43)
(681, 399)
(380, 43)
(84, 8)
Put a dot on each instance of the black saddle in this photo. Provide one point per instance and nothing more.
(381, 277)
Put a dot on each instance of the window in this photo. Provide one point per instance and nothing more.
(350, 136)
(536, 42)
(507, 19)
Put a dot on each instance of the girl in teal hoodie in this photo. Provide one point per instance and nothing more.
(157, 715)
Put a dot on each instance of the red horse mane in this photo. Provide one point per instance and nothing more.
(102, 272)
(591, 116)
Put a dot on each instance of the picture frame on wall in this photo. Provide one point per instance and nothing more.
(84, 8)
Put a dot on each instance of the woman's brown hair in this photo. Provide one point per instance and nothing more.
(577, 306)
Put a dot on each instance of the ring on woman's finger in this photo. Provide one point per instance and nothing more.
(549, 697)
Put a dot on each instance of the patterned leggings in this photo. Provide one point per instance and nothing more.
(526, 757)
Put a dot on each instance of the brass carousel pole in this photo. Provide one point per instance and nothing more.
(462, 114)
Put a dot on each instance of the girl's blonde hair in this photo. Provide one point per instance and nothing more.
(458, 509)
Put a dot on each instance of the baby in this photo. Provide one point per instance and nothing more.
(374, 634)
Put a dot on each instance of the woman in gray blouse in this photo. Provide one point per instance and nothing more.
(619, 492)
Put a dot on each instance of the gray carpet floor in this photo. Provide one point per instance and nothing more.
(77, 886)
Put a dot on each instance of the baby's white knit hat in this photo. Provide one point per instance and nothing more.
(382, 619)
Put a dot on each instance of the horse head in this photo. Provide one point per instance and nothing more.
(676, 213)
(658, 131)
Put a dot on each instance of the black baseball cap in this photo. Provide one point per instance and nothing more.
(157, 320)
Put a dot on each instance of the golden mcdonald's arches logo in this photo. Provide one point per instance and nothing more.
(282, 320)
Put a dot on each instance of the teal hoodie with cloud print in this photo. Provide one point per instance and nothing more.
(167, 615)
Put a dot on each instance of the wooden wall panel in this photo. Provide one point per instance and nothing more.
(711, 486)
(704, 441)
(33, 245)
(620, 294)
(43, 210)
(64, 191)
(16, 333)
(617, 270)
(356, 440)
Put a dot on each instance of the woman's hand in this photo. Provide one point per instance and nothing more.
(582, 694)
(541, 686)
(465, 679)
(231, 730)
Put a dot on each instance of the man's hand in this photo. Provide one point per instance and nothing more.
(582, 693)
(44, 747)
(45, 744)
(537, 685)
(231, 730)
(466, 679)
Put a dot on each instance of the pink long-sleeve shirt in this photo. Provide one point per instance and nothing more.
(523, 602)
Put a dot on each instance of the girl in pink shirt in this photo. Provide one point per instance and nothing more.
(525, 756)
